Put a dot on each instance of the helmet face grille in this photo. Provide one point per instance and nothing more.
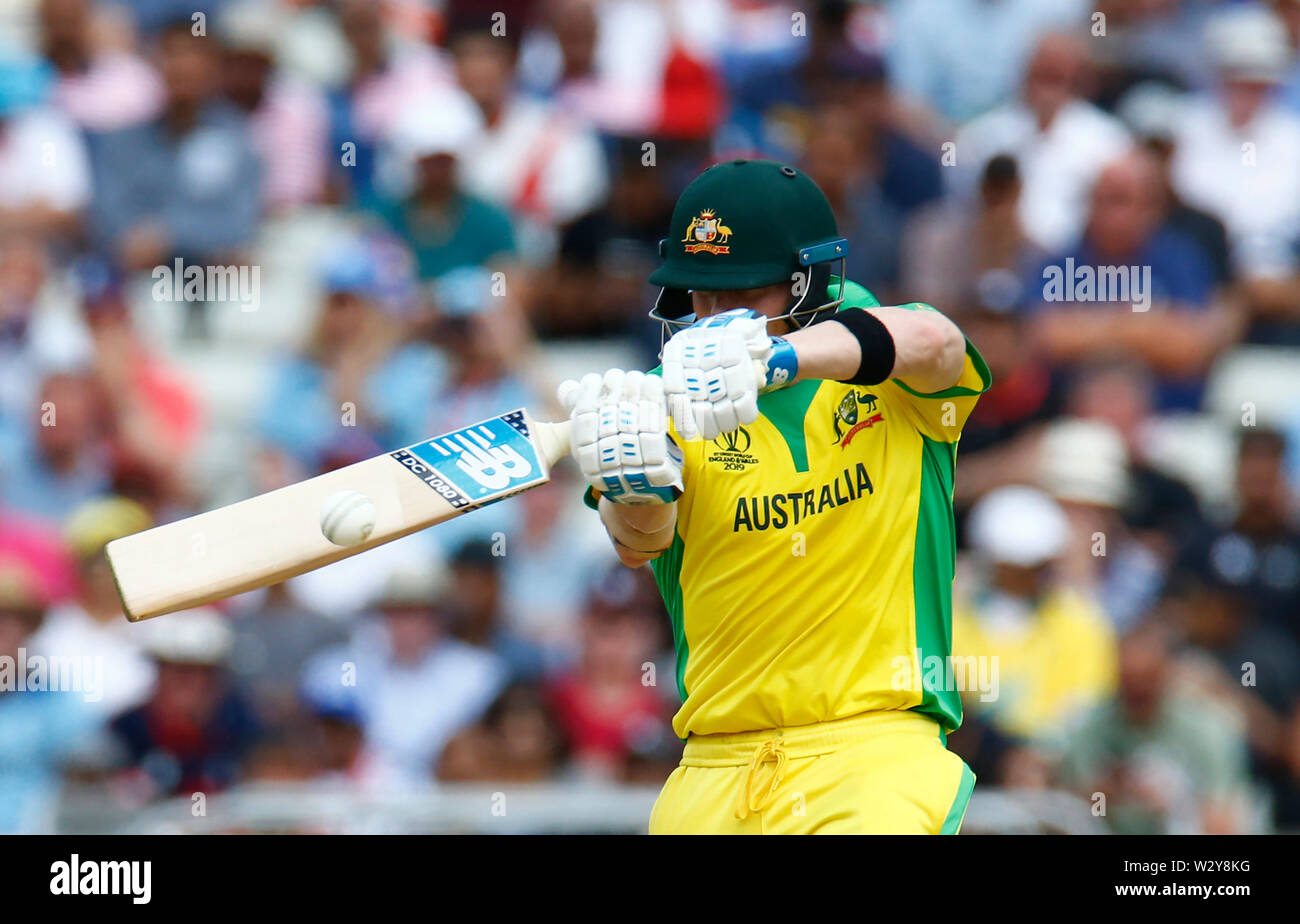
(673, 311)
(818, 279)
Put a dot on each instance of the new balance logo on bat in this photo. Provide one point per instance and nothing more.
(493, 467)
(478, 464)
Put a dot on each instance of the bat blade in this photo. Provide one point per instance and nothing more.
(275, 536)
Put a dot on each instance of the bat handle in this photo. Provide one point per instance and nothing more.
(552, 440)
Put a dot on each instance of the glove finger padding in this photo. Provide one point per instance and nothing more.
(715, 370)
(679, 406)
(611, 385)
(673, 381)
(568, 393)
(704, 419)
(740, 379)
(746, 409)
(652, 388)
(619, 436)
(724, 415)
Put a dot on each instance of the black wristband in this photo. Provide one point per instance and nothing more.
(876, 343)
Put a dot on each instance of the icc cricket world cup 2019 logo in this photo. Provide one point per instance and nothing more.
(732, 451)
(707, 234)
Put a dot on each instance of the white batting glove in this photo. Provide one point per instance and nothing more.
(620, 436)
(715, 369)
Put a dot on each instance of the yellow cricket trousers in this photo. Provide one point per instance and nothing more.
(874, 773)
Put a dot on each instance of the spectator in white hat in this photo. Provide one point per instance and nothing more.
(384, 74)
(422, 193)
(1049, 645)
(1238, 150)
(195, 729)
(1084, 465)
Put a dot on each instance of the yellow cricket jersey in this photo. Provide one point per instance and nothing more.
(810, 578)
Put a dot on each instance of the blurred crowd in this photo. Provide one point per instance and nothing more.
(450, 205)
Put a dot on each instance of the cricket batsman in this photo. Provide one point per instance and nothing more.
(788, 474)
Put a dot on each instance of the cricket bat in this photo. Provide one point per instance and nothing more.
(275, 536)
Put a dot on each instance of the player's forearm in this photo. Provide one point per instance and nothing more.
(640, 532)
(929, 350)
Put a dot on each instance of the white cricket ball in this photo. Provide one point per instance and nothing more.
(347, 518)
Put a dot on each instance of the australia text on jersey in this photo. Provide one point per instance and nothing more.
(777, 511)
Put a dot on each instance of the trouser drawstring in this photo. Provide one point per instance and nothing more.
(755, 799)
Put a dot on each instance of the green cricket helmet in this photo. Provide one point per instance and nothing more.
(745, 224)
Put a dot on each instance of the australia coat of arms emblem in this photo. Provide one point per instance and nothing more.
(707, 234)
